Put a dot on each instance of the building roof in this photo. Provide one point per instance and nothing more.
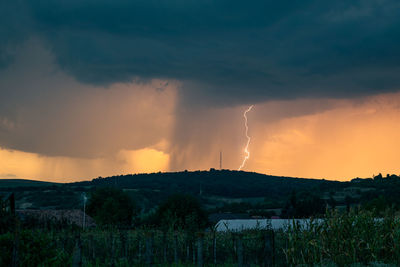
(274, 224)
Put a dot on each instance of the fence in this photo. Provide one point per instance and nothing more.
(155, 248)
(341, 239)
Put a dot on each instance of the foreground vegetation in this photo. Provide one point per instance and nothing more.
(340, 239)
(344, 239)
(139, 226)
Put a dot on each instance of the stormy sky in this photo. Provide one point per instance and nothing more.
(97, 88)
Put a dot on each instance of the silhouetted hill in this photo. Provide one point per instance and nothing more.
(218, 190)
(224, 183)
(23, 183)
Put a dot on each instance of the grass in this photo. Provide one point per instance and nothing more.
(345, 239)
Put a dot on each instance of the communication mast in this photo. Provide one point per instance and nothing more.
(220, 160)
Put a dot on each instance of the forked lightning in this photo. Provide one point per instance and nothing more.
(246, 149)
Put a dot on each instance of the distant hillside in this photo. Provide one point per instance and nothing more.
(224, 183)
(9, 183)
(214, 188)
(218, 190)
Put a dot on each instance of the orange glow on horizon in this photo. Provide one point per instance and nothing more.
(350, 138)
(64, 169)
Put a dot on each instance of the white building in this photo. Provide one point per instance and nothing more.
(247, 224)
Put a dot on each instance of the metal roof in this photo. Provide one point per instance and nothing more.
(274, 224)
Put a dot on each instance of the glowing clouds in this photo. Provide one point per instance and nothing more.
(354, 138)
(316, 138)
(50, 113)
(55, 128)
(144, 160)
(320, 138)
(17, 164)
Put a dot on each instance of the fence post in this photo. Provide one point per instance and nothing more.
(149, 249)
(15, 258)
(239, 244)
(273, 248)
(91, 251)
(176, 247)
(77, 255)
(188, 244)
(287, 248)
(128, 248)
(113, 256)
(268, 248)
(140, 250)
(123, 234)
(215, 247)
(194, 250)
(200, 237)
(187, 252)
(164, 246)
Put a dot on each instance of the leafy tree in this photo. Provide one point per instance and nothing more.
(378, 177)
(310, 205)
(181, 211)
(110, 206)
(377, 205)
(303, 206)
(332, 202)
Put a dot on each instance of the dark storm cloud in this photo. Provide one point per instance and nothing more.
(223, 51)
(45, 111)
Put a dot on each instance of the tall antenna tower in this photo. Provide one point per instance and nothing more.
(220, 159)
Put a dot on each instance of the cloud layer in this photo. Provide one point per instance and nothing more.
(46, 111)
(224, 52)
(108, 85)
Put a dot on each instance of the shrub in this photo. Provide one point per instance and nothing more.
(110, 206)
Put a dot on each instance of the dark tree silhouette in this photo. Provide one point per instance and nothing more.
(182, 212)
(110, 206)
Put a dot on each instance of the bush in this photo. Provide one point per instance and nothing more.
(111, 207)
(34, 248)
(182, 212)
(7, 222)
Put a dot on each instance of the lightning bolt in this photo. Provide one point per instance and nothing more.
(246, 149)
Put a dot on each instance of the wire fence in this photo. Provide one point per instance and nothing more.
(337, 240)
(156, 248)
(113, 247)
